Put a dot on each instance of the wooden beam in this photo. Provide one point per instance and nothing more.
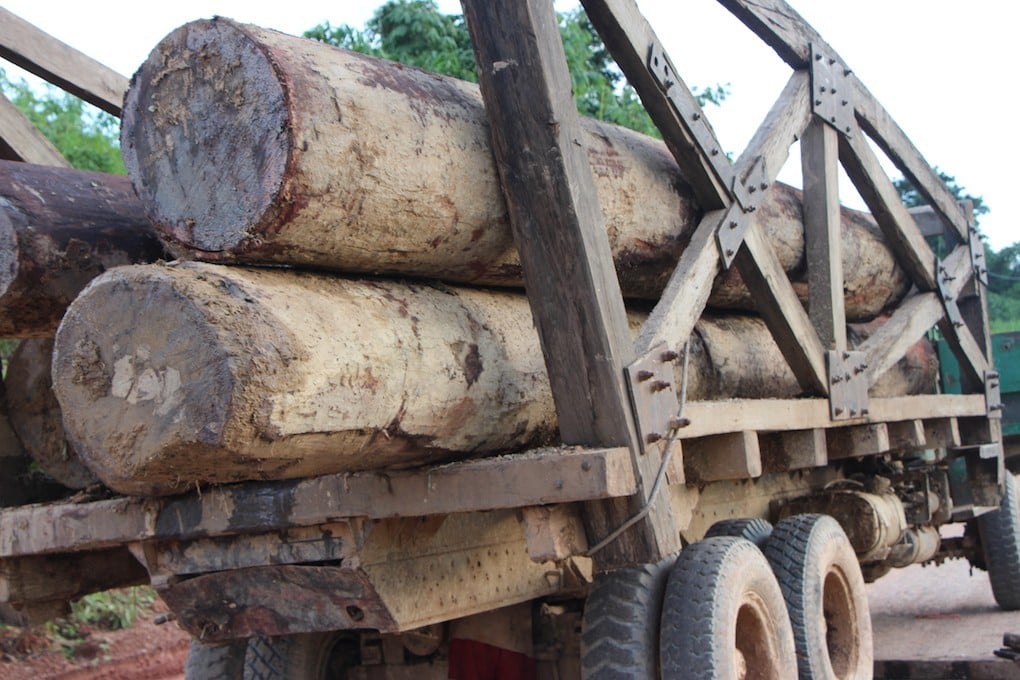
(37, 52)
(629, 37)
(735, 455)
(769, 415)
(20, 140)
(793, 450)
(684, 297)
(942, 433)
(912, 319)
(882, 198)
(782, 311)
(857, 440)
(557, 475)
(786, 32)
(819, 152)
(565, 256)
(553, 532)
(907, 435)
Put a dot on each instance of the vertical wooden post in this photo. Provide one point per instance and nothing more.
(819, 153)
(568, 269)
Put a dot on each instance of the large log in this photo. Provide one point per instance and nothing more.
(248, 145)
(171, 376)
(60, 228)
(35, 414)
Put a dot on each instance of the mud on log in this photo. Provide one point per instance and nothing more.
(249, 145)
(172, 375)
(60, 228)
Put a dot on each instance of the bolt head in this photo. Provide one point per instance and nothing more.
(644, 375)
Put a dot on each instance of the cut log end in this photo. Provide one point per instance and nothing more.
(157, 379)
(232, 161)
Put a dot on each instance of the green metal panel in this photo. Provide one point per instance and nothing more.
(1006, 356)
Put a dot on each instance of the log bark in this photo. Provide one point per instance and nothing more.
(248, 145)
(36, 418)
(60, 228)
(171, 376)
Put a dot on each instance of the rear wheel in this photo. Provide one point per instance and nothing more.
(221, 662)
(1000, 541)
(620, 626)
(822, 583)
(311, 656)
(723, 615)
(754, 529)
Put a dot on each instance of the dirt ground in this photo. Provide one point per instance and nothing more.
(145, 651)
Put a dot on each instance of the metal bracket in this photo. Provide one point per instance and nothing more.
(993, 396)
(848, 384)
(653, 396)
(945, 292)
(690, 112)
(977, 254)
(750, 193)
(830, 91)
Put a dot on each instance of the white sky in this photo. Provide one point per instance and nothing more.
(940, 68)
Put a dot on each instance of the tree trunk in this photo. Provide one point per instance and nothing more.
(249, 145)
(35, 414)
(59, 229)
(175, 375)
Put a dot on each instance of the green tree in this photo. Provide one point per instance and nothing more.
(416, 33)
(87, 137)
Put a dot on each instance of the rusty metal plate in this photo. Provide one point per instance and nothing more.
(689, 111)
(977, 254)
(848, 384)
(729, 235)
(993, 394)
(653, 395)
(830, 90)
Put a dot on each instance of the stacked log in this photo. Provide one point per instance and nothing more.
(60, 228)
(190, 373)
(248, 145)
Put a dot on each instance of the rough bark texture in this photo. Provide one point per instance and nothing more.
(60, 228)
(249, 145)
(176, 375)
(35, 414)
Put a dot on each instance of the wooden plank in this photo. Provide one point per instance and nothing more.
(782, 311)
(907, 435)
(857, 440)
(735, 455)
(684, 297)
(780, 26)
(565, 255)
(553, 532)
(912, 319)
(20, 140)
(37, 52)
(819, 151)
(901, 232)
(968, 351)
(556, 475)
(60, 579)
(773, 415)
(793, 450)
(628, 35)
(942, 433)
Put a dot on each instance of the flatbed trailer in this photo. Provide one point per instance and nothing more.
(382, 571)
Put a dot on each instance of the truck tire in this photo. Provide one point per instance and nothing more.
(1000, 541)
(822, 583)
(310, 656)
(220, 662)
(724, 616)
(754, 529)
(620, 625)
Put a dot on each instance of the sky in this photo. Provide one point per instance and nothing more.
(940, 68)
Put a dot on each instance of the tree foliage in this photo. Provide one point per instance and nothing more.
(84, 135)
(416, 33)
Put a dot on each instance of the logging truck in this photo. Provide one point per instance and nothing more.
(373, 373)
